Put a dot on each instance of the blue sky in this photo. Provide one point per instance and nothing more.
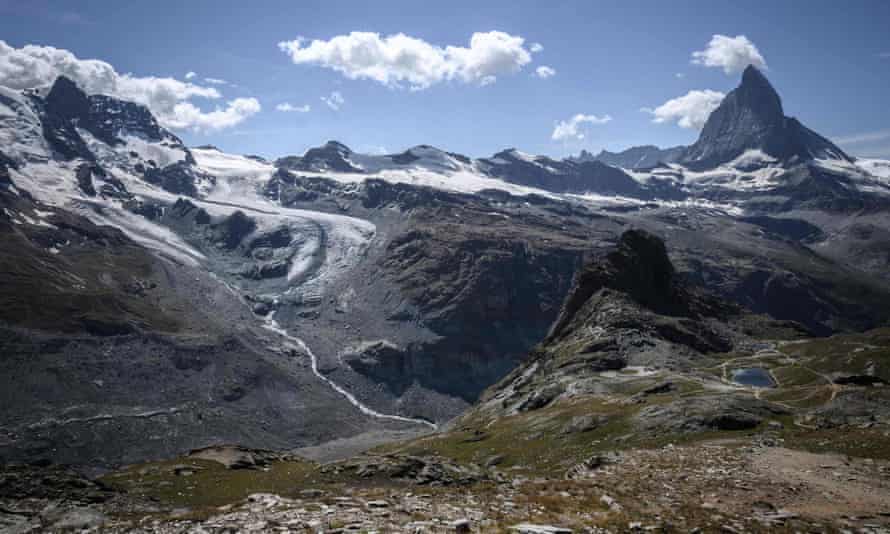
(830, 63)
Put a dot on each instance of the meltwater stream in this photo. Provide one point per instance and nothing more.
(272, 325)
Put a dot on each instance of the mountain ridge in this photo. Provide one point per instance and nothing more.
(751, 117)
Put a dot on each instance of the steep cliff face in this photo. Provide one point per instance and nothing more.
(488, 297)
(110, 133)
(638, 267)
(751, 118)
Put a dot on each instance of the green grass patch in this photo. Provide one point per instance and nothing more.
(211, 484)
(795, 375)
(851, 440)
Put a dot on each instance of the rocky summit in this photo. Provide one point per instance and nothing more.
(751, 118)
(348, 338)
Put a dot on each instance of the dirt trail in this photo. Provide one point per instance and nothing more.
(830, 486)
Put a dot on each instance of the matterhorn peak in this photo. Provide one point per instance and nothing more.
(751, 118)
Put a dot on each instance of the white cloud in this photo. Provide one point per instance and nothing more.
(536, 47)
(545, 72)
(188, 116)
(190, 74)
(689, 111)
(572, 128)
(679, 75)
(168, 99)
(399, 59)
(334, 101)
(863, 138)
(288, 107)
(216, 81)
(732, 54)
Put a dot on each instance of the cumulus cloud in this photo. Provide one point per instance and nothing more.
(334, 100)
(216, 81)
(188, 116)
(169, 99)
(536, 47)
(288, 107)
(732, 54)
(573, 128)
(545, 72)
(396, 60)
(190, 74)
(689, 111)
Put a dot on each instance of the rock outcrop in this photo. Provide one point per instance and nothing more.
(627, 309)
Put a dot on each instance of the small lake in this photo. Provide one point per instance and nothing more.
(757, 377)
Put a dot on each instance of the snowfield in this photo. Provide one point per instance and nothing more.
(432, 168)
(879, 168)
(346, 237)
(232, 166)
(21, 134)
(161, 153)
(464, 180)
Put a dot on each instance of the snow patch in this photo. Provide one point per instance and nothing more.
(752, 158)
(227, 166)
(159, 152)
(21, 134)
(146, 233)
(302, 261)
(879, 168)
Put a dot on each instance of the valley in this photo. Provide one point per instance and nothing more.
(672, 339)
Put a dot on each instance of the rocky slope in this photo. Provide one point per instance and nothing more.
(628, 310)
(118, 343)
(113, 355)
(751, 118)
(747, 485)
(577, 440)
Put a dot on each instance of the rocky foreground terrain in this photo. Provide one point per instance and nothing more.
(749, 483)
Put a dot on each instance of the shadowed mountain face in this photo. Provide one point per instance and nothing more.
(639, 266)
(563, 176)
(751, 118)
(637, 157)
(333, 156)
(68, 107)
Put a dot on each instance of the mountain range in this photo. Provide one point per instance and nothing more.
(160, 298)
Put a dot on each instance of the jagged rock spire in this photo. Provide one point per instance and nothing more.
(751, 118)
